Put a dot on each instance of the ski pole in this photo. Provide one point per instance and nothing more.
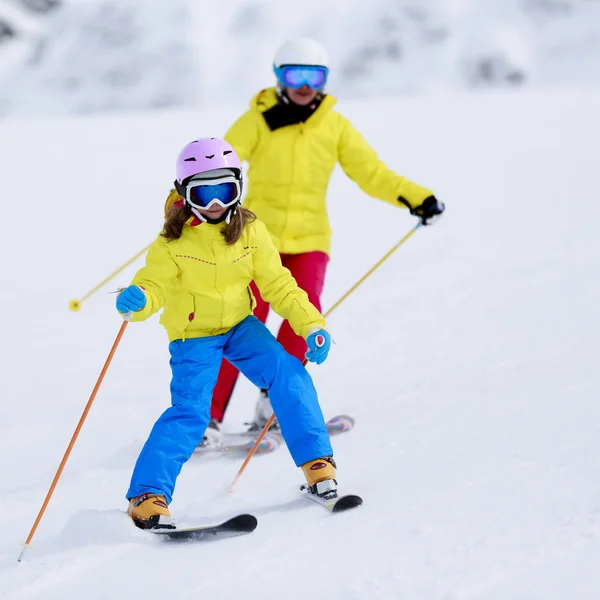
(27, 543)
(75, 305)
(373, 268)
(255, 446)
(326, 314)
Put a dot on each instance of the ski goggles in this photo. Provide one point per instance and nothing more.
(203, 193)
(295, 76)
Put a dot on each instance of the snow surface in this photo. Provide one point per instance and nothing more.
(469, 360)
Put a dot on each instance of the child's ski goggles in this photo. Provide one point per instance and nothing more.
(203, 193)
(295, 76)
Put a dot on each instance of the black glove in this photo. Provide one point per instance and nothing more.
(429, 211)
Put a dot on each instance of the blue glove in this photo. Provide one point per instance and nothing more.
(319, 343)
(131, 299)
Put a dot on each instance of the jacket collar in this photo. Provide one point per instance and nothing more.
(277, 115)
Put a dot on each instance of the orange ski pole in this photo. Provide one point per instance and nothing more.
(326, 314)
(73, 439)
(252, 452)
(256, 445)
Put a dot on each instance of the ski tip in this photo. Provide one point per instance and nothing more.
(243, 523)
(346, 418)
(238, 525)
(340, 424)
(346, 503)
(267, 445)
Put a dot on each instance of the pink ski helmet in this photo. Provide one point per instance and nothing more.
(206, 154)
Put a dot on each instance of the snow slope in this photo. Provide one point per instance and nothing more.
(98, 55)
(469, 360)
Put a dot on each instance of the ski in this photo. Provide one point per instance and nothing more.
(268, 444)
(239, 525)
(335, 426)
(334, 505)
(340, 424)
(235, 448)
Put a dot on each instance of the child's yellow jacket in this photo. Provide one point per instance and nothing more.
(203, 283)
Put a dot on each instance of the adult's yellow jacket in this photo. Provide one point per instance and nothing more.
(203, 283)
(290, 169)
(291, 165)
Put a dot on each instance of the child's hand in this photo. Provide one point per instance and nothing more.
(319, 343)
(131, 299)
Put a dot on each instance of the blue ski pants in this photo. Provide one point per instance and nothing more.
(195, 364)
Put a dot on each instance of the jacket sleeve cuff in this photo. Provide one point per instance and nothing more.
(312, 327)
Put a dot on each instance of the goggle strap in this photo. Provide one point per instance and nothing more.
(198, 214)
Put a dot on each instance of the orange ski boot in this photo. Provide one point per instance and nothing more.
(150, 511)
(320, 476)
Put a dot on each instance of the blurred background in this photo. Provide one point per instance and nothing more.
(80, 56)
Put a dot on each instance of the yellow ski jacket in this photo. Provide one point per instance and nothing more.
(290, 169)
(203, 283)
(291, 165)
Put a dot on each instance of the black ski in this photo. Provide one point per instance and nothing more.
(238, 525)
(334, 505)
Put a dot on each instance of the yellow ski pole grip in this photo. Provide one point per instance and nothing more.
(75, 305)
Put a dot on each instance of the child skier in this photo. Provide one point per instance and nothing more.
(292, 139)
(199, 269)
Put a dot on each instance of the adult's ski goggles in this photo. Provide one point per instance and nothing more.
(295, 76)
(203, 193)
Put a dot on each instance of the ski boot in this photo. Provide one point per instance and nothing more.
(213, 437)
(320, 477)
(262, 413)
(150, 511)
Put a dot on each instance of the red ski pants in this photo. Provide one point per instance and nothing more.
(309, 272)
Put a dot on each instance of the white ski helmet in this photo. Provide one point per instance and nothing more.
(301, 51)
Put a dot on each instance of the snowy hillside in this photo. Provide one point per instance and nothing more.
(468, 359)
(89, 55)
